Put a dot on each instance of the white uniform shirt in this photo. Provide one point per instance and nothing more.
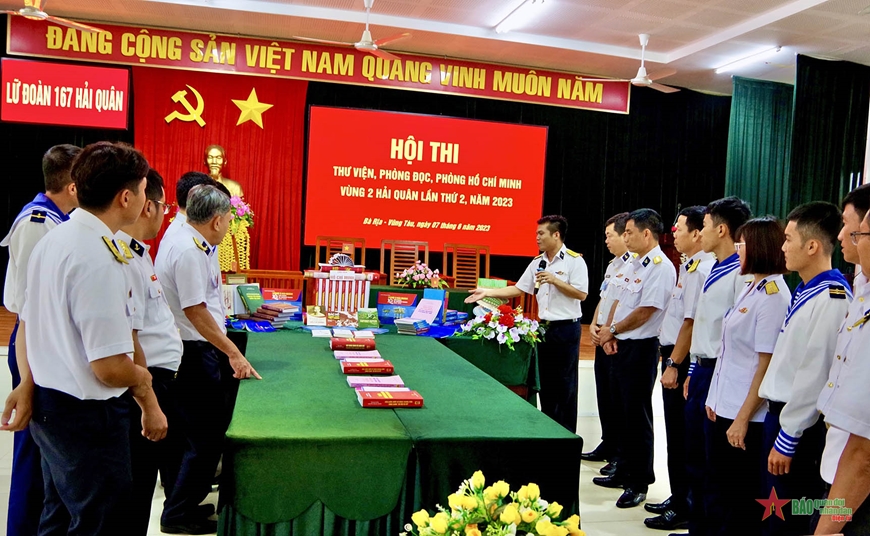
(721, 288)
(27, 229)
(78, 307)
(648, 282)
(190, 277)
(844, 398)
(609, 290)
(749, 328)
(158, 334)
(175, 225)
(684, 298)
(803, 354)
(552, 304)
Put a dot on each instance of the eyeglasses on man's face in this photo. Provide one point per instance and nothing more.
(166, 206)
(856, 236)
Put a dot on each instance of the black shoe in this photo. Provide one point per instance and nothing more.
(203, 511)
(595, 456)
(202, 526)
(669, 520)
(609, 469)
(658, 508)
(631, 498)
(610, 481)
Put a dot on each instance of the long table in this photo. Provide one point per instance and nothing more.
(306, 459)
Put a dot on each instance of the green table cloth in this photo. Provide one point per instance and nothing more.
(306, 459)
(508, 367)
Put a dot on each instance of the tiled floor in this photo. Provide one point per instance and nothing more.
(600, 517)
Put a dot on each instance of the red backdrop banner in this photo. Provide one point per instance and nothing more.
(419, 177)
(260, 124)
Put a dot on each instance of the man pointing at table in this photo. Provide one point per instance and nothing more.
(558, 278)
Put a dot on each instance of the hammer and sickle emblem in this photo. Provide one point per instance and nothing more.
(193, 114)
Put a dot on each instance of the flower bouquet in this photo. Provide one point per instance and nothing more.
(420, 276)
(242, 213)
(506, 325)
(494, 511)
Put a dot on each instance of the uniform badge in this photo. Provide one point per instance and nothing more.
(771, 288)
(837, 292)
(201, 245)
(657, 260)
(153, 277)
(627, 280)
(744, 310)
(646, 262)
(636, 281)
(137, 248)
(38, 216)
(626, 256)
(560, 273)
(693, 265)
(573, 253)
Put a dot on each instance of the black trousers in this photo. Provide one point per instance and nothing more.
(85, 447)
(149, 457)
(203, 415)
(803, 479)
(605, 405)
(633, 375)
(700, 432)
(675, 428)
(735, 474)
(558, 358)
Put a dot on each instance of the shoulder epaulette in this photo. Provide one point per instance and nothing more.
(572, 253)
(610, 262)
(657, 260)
(114, 249)
(837, 292)
(201, 245)
(38, 216)
(539, 256)
(127, 253)
(771, 288)
(692, 266)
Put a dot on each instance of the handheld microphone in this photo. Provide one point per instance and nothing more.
(541, 267)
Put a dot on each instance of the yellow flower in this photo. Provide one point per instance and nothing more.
(469, 503)
(502, 488)
(523, 493)
(543, 527)
(455, 501)
(510, 515)
(439, 523)
(477, 480)
(576, 532)
(490, 495)
(421, 518)
(472, 530)
(529, 515)
(573, 522)
(554, 510)
(533, 492)
(557, 531)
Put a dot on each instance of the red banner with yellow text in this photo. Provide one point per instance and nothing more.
(178, 49)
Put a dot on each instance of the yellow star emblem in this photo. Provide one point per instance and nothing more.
(252, 109)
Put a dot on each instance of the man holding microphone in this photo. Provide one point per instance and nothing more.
(559, 280)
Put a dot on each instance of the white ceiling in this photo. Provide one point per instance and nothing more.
(586, 36)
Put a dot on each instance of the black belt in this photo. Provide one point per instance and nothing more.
(707, 362)
(162, 373)
(560, 322)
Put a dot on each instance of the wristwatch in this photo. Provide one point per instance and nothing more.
(670, 362)
(613, 328)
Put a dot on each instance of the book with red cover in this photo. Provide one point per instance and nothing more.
(351, 344)
(389, 399)
(272, 314)
(367, 367)
(351, 354)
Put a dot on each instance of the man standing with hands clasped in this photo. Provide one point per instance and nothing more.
(558, 278)
(674, 340)
(632, 340)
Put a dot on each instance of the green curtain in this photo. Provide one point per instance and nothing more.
(831, 103)
(759, 145)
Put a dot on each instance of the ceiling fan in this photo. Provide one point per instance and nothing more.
(366, 44)
(33, 10)
(642, 78)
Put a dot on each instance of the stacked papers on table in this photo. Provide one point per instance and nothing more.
(382, 381)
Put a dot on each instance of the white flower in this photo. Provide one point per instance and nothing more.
(501, 329)
(493, 324)
(480, 330)
(466, 327)
(501, 337)
(489, 335)
(408, 526)
(515, 337)
(519, 317)
(543, 504)
(534, 325)
(512, 529)
(523, 330)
